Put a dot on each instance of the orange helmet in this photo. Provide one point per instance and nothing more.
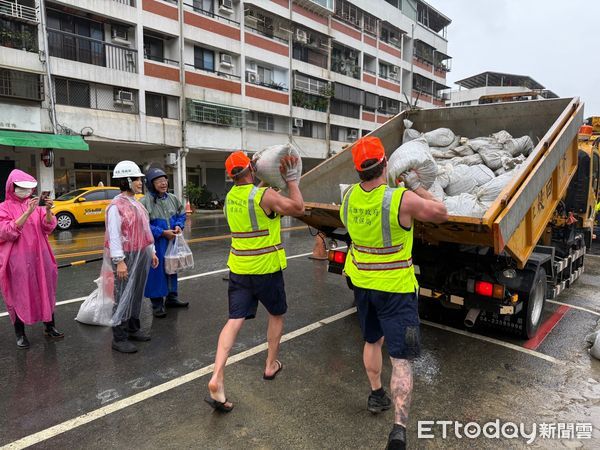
(237, 160)
(369, 147)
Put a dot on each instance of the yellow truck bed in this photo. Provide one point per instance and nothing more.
(517, 219)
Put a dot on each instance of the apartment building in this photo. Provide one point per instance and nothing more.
(493, 87)
(86, 83)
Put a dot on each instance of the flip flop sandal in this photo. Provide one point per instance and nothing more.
(272, 377)
(217, 405)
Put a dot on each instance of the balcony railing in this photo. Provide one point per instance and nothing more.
(214, 114)
(267, 35)
(91, 51)
(126, 2)
(160, 59)
(271, 85)
(212, 15)
(18, 11)
(21, 85)
(370, 72)
(215, 72)
(20, 36)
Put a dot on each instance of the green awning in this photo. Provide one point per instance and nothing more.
(42, 140)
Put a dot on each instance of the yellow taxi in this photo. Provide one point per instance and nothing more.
(84, 205)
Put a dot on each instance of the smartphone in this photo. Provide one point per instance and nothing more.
(43, 196)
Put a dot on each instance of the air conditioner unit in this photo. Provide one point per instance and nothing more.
(353, 134)
(298, 123)
(394, 70)
(119, 33)
(171, 159)
(124, 97)
(301, 36)
(226, 6)
(251, 77)
(226, 60)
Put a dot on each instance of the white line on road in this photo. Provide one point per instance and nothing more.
(96, 414)
(189, 277)
(596, 313)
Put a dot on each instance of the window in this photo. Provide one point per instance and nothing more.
(18, 35)
(72, 93)
(345, 109)
(383, 70)
(154, 48)
(309, 85)
(266, 122)
(265, 75)
(215, 114)
(204, 6)
(370, 24)
(21, 85)
(348, 94)
(159, 105)
(370, 101)
(112, 193)
(94, 196)
(388, 105)
(204, 59)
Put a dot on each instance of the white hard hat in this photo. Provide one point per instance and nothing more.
(127, 169)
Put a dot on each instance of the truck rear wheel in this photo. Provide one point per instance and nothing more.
(534, 304)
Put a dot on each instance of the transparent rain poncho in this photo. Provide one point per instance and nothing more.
(127, 235)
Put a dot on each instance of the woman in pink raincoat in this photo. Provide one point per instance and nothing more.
(27, 266)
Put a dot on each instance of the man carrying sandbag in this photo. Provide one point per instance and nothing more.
(167, 219)
(256, 261)
(379, 220)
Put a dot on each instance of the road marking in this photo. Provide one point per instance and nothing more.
(189, 241)
(104, 411)
(546, 328)
(495, 341)
(189, 277)
(580, 308)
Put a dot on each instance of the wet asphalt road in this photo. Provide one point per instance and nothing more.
(153, 399)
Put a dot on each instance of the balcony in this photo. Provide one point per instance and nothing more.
(91, 51)
(321, 7)
(126, 2)
(21, 36)
(211, 14)
(214, 114)
(16, 9)
(21, 85)
(346, 67)
(229, 76)
(83, 94)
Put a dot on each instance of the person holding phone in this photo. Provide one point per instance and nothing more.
(28, 269)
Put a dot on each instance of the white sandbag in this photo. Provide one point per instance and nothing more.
(437, 191)
(502, 136)
(500, 171)
(409, 134)
(490, 190)
(460, 181)
(492, 157)
(463, 150)
(518, 146)
(412, 156)
(465, 205)
(481, 174)
(450, 150)
(509, 163)
(97, 308)
(595, 350)
(481, 143)
(471, 160)
(267, 163)
(440, 137)
(443, 176)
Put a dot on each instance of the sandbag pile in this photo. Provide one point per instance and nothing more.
(466, 174)
(267, 161)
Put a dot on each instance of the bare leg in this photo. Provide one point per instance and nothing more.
(373, 362)
(274, 333)
(401, 386)
(227, 338)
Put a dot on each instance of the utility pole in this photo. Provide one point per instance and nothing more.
(182, 152)
(46, 62)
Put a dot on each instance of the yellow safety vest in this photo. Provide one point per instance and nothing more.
(255, 238)
(380, 256)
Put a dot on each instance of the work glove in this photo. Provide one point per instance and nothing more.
(411, 180)
(289, 168)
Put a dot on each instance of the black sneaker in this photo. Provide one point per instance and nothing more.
(175, 303)
(124, 347)
(397, 438)
(159, 312)
(139, 336)
(377, 404)
(22, 341)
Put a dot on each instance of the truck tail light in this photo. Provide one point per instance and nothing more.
(487, 289)
(337, 256)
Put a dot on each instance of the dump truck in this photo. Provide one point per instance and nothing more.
(530, 244)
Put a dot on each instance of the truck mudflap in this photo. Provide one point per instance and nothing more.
(567, 270)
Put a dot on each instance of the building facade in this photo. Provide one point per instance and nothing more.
(182, 84)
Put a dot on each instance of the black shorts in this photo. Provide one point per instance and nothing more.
(245, 291)
(390, 315)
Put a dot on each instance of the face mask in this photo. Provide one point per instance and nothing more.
(22, 192)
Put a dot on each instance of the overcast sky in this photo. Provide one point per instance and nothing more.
(557, 43)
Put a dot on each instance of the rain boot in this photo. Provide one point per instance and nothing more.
(51, 331)
(22, 341)
(158, 307)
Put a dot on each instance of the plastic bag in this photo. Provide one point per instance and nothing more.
(409, 134)
(267, 163)
(178, 256)
(97, 308)
(413, 156)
